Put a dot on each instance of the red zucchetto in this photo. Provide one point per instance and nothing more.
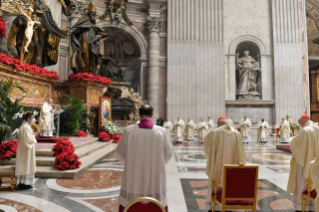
(245, 116)
(222, 118)
(305, 116)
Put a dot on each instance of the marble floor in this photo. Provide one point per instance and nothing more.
(97, 189)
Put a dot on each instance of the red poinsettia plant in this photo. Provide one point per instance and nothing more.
(81, 133)
(8, 150)
(116, 138)
(3, 30)
(65, 157)
(89, 77)
(33, 69)
(104, 136)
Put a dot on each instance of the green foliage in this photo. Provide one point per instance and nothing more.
(77, 109)
(8, 108)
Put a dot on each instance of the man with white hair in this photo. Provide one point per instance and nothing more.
(178, 128)
(190, 130)
(46, 123)
(245, 126)
(304, 147)
(223, 145)
(202, 128)
(262, 131)
(168, 125)
(284, 131)
(210, 124)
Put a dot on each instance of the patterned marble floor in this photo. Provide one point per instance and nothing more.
(97, 189)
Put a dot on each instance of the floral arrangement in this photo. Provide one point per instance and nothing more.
(33, 69)
(3, 30)
(89, 77)
(116, 138)
(8, 150)
(294, 126)
(111, 128)
(104, 136)
(81, 133)
(65, 157)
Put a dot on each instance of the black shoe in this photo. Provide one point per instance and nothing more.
(23, 186)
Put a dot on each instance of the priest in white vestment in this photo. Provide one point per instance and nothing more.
(210, 124)
(304, 147)
(245, 126)
(262, 131)
(25, 166)
(46, 119)
(168, 125)
(179, 126)
(144, 149)
(284, 131)
(315, 177)
(202, 128)
(223, 145)
(190, 130)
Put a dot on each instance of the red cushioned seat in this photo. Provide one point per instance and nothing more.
(278, 130)
(145, 207)
(234, 202)
(313, 193)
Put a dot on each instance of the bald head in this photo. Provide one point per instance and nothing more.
(145, 111)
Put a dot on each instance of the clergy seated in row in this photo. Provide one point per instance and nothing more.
(223, 145)
(25, 166)
(179, 126)
(304, 148)
(284, 131)
(46, 119)
(144, 149)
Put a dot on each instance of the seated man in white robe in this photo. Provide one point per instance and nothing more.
(284, 131)
(245, 126)
(202, 128)
(223, 145)
(179, 126)
(168, 125)
(190, 130)
(46, 119)
(262, 131)
(304, 147)
(25, 166)
(144, 149)
(210, 124)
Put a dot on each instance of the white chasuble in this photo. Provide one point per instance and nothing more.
(210, 124)
(262, 131)
(223, 145)
(284, 131)
(190, 130)
(315, 178)
(245, 126)
(25, 166)
(179, 126)
(304, 149)
(46, 120)
(202, 128)
(144, 153)
(168, 125)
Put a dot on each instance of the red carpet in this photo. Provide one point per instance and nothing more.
(48, 140)
(285, 148)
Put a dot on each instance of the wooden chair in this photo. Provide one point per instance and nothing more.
(145, 204)
(7, 172)
(239, 189)
(308, 194)
(277, 134)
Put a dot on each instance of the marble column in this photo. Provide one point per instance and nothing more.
(153, 83)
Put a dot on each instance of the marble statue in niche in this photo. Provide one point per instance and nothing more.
(249, 71)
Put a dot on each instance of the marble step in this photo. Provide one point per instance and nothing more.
(82, 151)
(87, 162)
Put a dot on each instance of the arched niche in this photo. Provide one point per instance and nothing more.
(258, 51)
(130, 48)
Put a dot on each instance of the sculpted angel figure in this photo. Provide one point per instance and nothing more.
(29, 29)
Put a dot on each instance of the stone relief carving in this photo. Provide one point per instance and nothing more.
(154, 24)
(116, 10)
(137, 101)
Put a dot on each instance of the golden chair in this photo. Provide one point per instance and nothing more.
(139, 205)
(308, 194)
(239, 189)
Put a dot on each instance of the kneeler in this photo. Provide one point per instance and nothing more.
(239, 189)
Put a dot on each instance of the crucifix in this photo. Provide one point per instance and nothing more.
(31, 20)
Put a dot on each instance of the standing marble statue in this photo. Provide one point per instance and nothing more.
(284, 131)
(46, 119)
(202, 128)
(210, 124)
(262, 131)
(168, 125)
(179, 126)
(245, 126)
(190, 130)
(248, 72)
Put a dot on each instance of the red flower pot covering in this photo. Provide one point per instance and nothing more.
(3, 30)
(81, 133)
(8, 150)
(33, 69)
(89, 77)
(105, 136)
(65, 157)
